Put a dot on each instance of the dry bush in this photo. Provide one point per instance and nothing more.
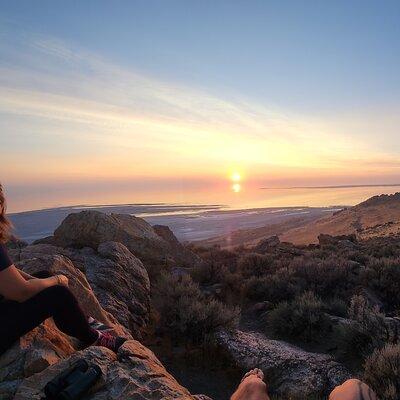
(186, 315)
(303, 318)
(382, 372)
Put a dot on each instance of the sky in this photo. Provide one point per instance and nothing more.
(145, 95)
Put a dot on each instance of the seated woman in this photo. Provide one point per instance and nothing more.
(26, 301)
(253, 387)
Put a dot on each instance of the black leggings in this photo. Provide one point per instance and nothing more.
(17, 319)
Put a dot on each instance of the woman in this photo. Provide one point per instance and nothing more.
(26, 301)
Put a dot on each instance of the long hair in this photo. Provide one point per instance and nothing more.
(5, 224)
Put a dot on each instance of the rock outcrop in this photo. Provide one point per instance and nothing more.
(265, 245)
(180, 252)
(118, 279)
(133, 373)
(291, 371)
(92, 228)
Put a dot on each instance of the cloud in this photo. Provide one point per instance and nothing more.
(138, 124)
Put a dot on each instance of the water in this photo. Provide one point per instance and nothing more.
(210, 214)
(248, 196)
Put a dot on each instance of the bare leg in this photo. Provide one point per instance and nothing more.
(252, 387)
(353, 389)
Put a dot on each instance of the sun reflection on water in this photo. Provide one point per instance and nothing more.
(236, 187)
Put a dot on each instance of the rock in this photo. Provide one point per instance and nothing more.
(14, 247)
(344, 240)
(117, 277)
(265, 245)
(180, 252)
(291, 371)
(121, 284)
(34, 352)
(92, 228)
(134, 373)
(59, 264)
(202, 397)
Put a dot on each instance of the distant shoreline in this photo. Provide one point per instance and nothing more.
(333, 186)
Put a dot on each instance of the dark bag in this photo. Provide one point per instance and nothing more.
(74, 382)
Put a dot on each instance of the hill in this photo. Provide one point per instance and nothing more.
(378, 216)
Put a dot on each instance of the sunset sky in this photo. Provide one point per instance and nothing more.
(182, 94)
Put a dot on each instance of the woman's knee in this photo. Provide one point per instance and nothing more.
(58, 295)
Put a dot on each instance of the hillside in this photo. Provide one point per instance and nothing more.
(275, 306)
(376, 217)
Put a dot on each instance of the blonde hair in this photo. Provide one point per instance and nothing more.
(5, 224)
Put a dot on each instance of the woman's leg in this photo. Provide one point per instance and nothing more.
(58, 302)
(353, 389)
(68, 315)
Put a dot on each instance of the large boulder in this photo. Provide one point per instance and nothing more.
(34, 352)
(92, 228)
(291, 372)
(180, 252)
(133, 373)
(117, 277)
(59, 264)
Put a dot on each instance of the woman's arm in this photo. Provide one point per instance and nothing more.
(14, 287)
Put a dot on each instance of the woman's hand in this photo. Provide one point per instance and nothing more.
(62, 280)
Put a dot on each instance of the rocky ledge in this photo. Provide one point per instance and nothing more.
(107, 258)
(112, 286)
(290, 371)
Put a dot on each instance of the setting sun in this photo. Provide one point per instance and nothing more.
(236, 177)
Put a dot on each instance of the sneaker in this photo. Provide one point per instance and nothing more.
(99, 326)
(110, 341)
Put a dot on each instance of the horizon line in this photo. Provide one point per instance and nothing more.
(334, 186)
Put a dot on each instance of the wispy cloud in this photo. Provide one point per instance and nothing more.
(138, 125)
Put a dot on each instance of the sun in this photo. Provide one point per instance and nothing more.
(236, 177)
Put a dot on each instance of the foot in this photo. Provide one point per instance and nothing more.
(99, 326)
(252, 387)
(256, 372)
(110, 341)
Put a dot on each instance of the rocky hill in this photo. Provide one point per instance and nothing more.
(107, 259)
(96, 252)
(376, 217)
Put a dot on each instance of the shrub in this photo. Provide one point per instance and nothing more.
(383, 276)
(303, 318)
(366, 332)
(254, 264)
(208, 273)
(382, 372)
(336, 306)
(186, 314)
(274, 288)
(325, 277)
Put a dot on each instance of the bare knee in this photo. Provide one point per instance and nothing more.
(351, 389)
(352, 382)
